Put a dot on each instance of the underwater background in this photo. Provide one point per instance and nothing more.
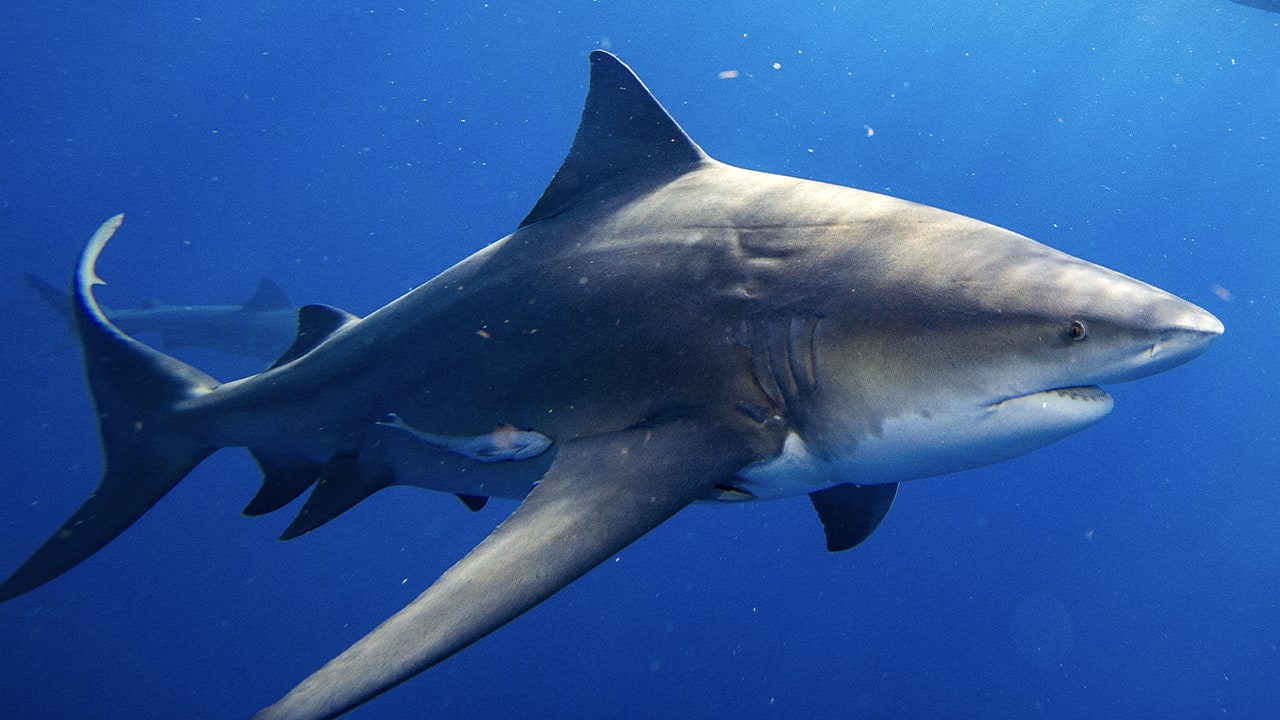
(350, 151)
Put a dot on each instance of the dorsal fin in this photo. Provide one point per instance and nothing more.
(315, 324)
(625, 137)
(268, 296)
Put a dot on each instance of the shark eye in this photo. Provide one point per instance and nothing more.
(1077, 331)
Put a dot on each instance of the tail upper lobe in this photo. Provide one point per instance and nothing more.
(147, 445)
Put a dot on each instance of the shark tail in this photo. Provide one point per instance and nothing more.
(55, 298)
(137, 392)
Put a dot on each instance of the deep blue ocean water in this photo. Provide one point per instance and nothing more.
(351, 151)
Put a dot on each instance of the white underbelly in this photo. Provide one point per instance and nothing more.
(910, 447)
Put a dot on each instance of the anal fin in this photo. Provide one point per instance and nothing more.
(344, 481)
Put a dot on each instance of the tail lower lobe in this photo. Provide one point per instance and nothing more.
(147, 445)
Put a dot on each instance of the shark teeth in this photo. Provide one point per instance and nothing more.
(1076, 392)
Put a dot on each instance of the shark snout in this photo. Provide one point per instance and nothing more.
(1187, 332)
(1191, 333)
(1203, 323)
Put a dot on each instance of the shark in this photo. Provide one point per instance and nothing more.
(262, 327)
(661, 330)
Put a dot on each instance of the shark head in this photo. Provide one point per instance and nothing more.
(936, 343)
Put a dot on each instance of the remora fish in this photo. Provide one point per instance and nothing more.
(262, 327)
(675, 330)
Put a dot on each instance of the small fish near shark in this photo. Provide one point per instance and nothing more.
(661, 329)
(262, 327)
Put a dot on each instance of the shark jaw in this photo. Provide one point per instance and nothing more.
(944, 440)
(1064, 398)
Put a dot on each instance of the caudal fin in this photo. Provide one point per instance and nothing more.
(146, 449)
(55, 298)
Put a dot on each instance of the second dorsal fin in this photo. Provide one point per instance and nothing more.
(315, 324)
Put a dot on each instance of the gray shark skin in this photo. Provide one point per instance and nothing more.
(679, 330)
(262, 327)
(1268, 5)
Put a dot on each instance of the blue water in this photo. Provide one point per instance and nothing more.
(350, 151)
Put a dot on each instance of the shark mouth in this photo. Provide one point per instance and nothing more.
(1087, 393)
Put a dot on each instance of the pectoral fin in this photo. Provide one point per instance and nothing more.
(850, 513)
(600, 494)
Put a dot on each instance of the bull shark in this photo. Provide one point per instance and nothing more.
(661, 329)
(262, 327)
